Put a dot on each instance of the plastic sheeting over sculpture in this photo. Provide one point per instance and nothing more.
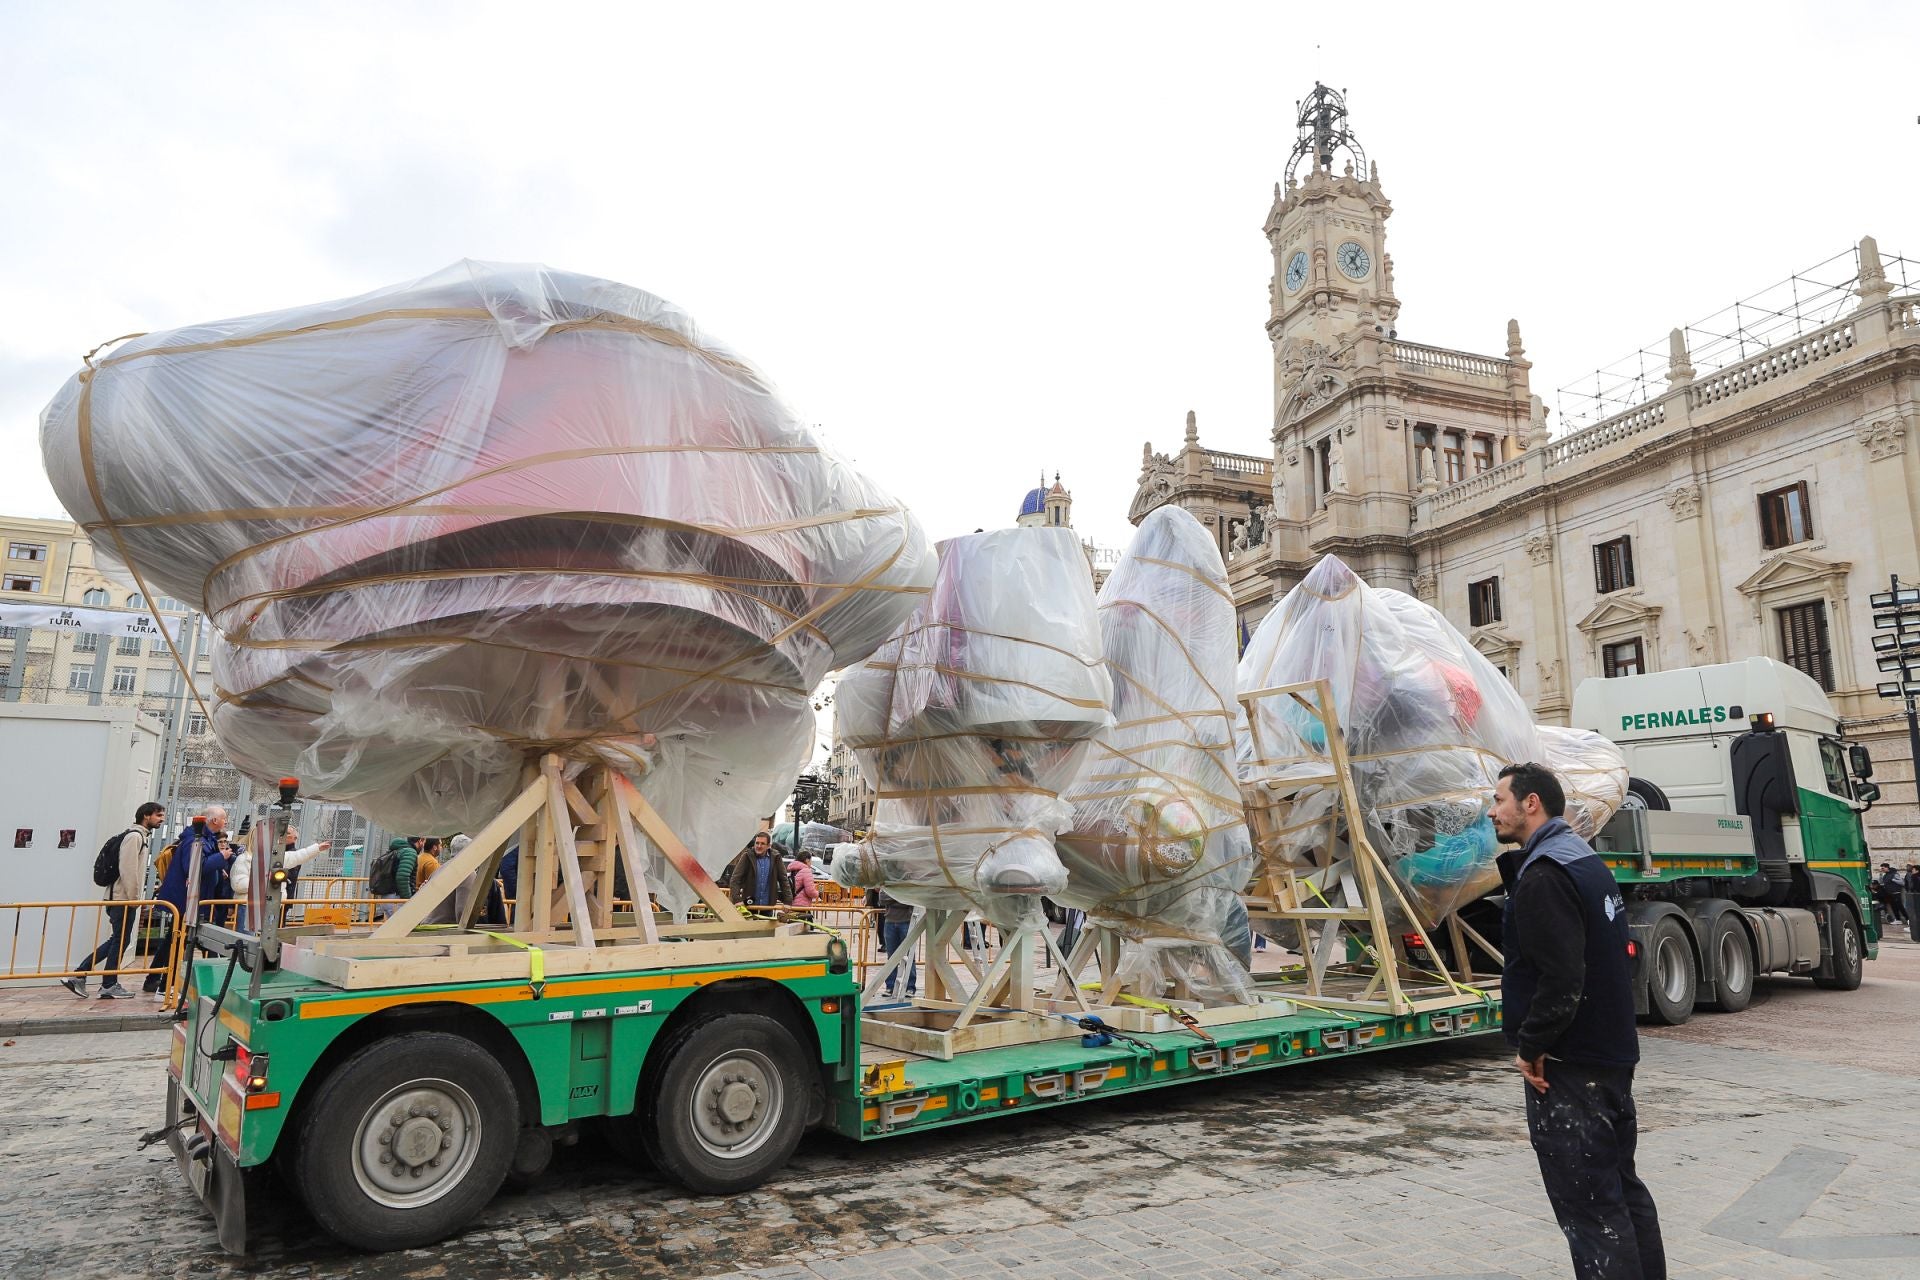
(1593, 772)
(1428, 723)
(498, 511)
(1158, 850)
(971, 720)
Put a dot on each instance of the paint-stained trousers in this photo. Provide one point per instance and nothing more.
(1584, 1130)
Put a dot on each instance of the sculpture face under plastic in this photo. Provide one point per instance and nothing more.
(499, 511)
(1158, 849)
(1428, 722)
(969, 722)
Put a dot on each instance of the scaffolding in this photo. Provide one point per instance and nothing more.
(1803, 302)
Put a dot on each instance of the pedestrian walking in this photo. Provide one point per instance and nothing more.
(896, 921)
(1568, 991)
(197, 839)
(418, 861)
(129, 867)
(758, 877)
(806, 891)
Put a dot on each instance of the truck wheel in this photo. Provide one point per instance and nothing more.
(407, 1140)
(1671, 977)
(1733, 962)
(1849, 956)
(727, 1106)
(1642, 794)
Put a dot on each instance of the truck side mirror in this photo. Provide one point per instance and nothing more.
(1866, 792)
(1860, 759)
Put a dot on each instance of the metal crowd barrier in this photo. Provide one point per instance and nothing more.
(69, 932)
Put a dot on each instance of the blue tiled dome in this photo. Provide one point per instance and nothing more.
(1034, 503)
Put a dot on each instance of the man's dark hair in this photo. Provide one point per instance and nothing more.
(148, 809)
(1532, 779)
(430, 844)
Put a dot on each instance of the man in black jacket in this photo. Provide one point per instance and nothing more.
(1568, 988)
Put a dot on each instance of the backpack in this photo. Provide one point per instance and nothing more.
(382, 877)
(106, 863)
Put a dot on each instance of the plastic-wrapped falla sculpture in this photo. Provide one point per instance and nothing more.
(969, 722)
(496, 512)
(1158, 851)
(1428, 724)
(1592, 771)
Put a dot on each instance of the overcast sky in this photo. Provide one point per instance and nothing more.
(972, 242)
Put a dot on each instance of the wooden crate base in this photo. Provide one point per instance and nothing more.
(357, 963)
(927, 1029)
(1345, 992)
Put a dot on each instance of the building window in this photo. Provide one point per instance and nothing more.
(129, 646)
(22, 582)
(80, 678)
(26, 551)
(1483, 601)
(161, 682)
(1804, 643)
(159, 647)
(96, 595)
(196, 724)
(1785, 517)
(1613, 565)
(7, 633)
(86, 642)
(6, 677)
(168, 604)
(1456, 457)
(1624, 659)
(123, 679)
(136, 601)
(1482, 454)
(1324, 452)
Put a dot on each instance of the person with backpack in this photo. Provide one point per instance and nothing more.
(382, 876)
(119, 868)
(198, 839)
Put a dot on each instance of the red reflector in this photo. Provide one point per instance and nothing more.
(1633, 949)
(1414, 940)
(262, 1101)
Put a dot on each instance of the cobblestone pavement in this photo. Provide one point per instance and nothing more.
(1779, 1143)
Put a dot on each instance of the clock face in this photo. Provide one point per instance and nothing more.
(1297, 269)
(1353, 260)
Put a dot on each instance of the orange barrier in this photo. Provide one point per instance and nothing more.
(69, 932)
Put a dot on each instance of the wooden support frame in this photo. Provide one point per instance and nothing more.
(1344, 896)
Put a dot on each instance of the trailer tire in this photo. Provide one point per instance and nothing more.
(1733, 963)
(1849, 954)
(727, 1104)
(420, 1094)
(1672, 979)
(1642, 794)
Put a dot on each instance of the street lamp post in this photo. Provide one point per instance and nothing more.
(1896, 617)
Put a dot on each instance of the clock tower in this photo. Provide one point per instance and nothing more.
(1327, 229)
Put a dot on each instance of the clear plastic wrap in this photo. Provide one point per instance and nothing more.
(1592, 770)
(495, 512)
(969, 722)
(1428, 723)
(1158, 850)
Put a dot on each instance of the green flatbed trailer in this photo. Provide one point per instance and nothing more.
(395, 1114)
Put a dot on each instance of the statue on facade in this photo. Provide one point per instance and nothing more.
(1337, 466)
(1256, 530)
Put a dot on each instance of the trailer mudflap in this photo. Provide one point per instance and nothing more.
(221, 1184)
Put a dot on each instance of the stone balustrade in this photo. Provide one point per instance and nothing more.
(1239, 464)
(1507, 475)
(1905, 313)
(1419, 355)
(1606, 432)
(1775, 362)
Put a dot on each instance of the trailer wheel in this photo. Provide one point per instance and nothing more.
(1849, 955)
(727, 1106)
(1733, 964)
(407, 1140)
(1672, 980)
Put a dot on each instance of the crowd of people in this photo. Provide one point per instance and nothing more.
(1891, 886)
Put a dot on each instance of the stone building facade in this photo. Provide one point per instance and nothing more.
(1750, 509)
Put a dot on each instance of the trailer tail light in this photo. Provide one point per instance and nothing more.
(177, 1055)
(1633, 949)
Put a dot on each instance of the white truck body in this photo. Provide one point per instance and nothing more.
(1676, 727)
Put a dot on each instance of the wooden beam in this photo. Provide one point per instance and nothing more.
(451, 875)
(615, 818)
(560, 819)
(678, 856)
